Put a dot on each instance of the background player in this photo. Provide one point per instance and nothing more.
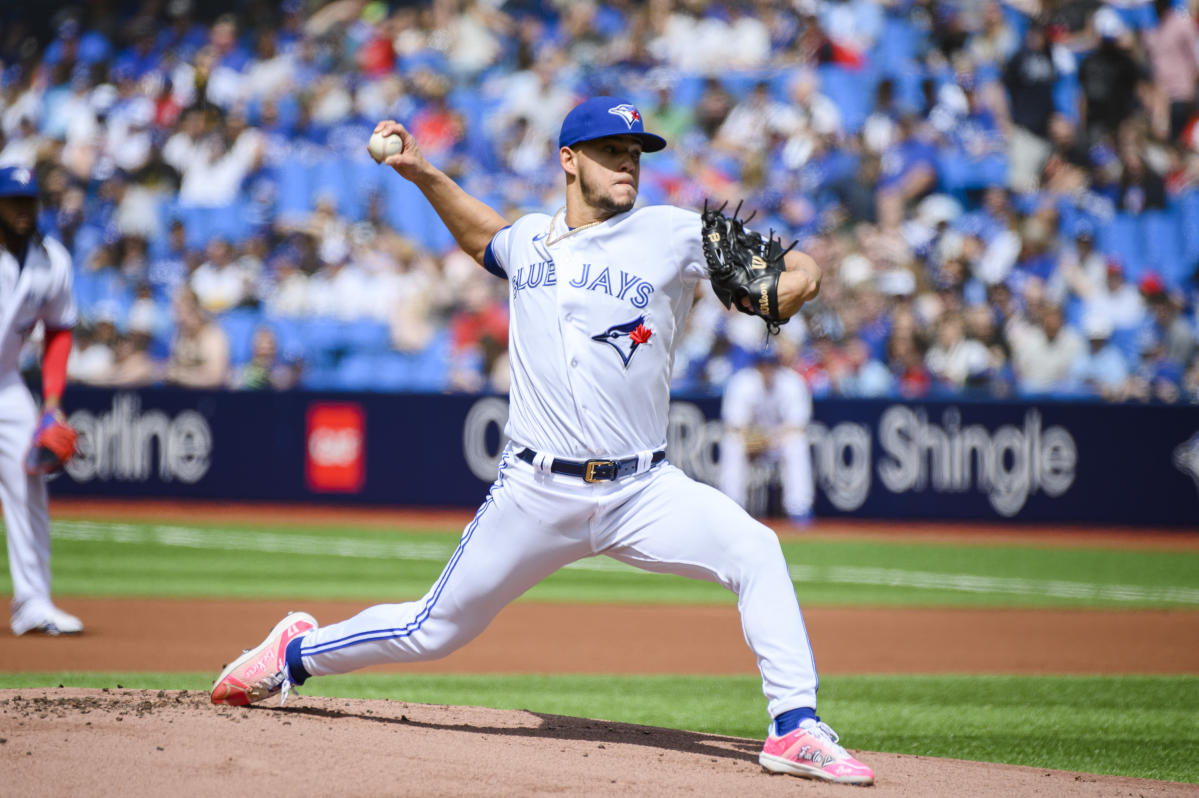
(597, 292)
(35, 285)
(766, 409)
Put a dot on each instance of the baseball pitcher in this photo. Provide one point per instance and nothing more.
(598, 291)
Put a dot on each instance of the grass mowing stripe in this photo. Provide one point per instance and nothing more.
(1140, 726)
(375, 548)
(972, 583)
(278, 543)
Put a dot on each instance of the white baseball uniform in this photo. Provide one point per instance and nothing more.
(594, 314)
(38, 290)
(780, 407)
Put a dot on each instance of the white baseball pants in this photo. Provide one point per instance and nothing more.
(26, 515)
(794, 457)
(533, 523)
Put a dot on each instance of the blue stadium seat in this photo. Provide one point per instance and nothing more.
(348, 180)
(908, 92)
(231, 222)
(1126, 340)
(688, 89)
(410, 213)
(105, 290)
(958, 171)
(430, 367)
(1120, 238)
(289, 336)
(1137, 17)
(288, 109)
(366, 335)
(168, 211)
(1163, 244)
(393, 371)
(294, 183)
(1066, 93)
(356, 372)
(740, 83)
(896, 50)
(320, 378)
(322, 340)
(160, 344)
(479, 108)
(1071, 218)
(1188, 209)
(403, 201)
(1016, 19)
(197, 225)
(87, 241)
(239, 325)
(852, 91)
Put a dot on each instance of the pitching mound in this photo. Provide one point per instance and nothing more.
(143, 743)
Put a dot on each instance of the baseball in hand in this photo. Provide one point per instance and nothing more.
(383, 147)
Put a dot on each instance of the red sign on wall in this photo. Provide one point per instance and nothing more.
(336, 447)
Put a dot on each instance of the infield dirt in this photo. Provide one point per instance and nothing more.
(527, 637)
(68, 742)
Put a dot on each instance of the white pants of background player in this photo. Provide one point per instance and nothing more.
(790, 451)
(26, 515)
(534, 522)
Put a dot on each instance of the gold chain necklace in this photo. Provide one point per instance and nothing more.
(549, 242)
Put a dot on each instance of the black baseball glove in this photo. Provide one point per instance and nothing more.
(744, 267)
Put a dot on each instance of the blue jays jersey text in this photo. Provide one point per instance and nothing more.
(625, 286)
(540, 274)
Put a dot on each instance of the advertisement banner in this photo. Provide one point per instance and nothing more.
(335, 460)
(1025, 462)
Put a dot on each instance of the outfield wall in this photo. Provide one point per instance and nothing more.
(1035, 462)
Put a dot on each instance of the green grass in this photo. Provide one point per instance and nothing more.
(275, 561)
(1140, 726)
(1135, 726)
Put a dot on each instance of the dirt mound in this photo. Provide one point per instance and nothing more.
(144, 743)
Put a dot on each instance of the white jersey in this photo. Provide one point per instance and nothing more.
(781, 409)
(39, 290)
(750, 402)
(593, 318)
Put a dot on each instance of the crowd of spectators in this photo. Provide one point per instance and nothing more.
(1004, 195)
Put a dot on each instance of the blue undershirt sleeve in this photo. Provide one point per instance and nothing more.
(490, 262)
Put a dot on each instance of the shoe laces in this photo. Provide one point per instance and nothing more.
(821, 730)
(285, 688)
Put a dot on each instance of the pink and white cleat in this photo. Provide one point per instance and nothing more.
(811, 751)
(258, 674)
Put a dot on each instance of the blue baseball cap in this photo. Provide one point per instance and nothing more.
(17, 181)
(606, 116)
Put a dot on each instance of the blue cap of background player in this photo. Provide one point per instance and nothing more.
(17, 181)
(606, 116)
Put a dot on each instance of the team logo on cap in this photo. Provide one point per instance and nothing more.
(625, 338)
(22, 176)
(628, 113)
